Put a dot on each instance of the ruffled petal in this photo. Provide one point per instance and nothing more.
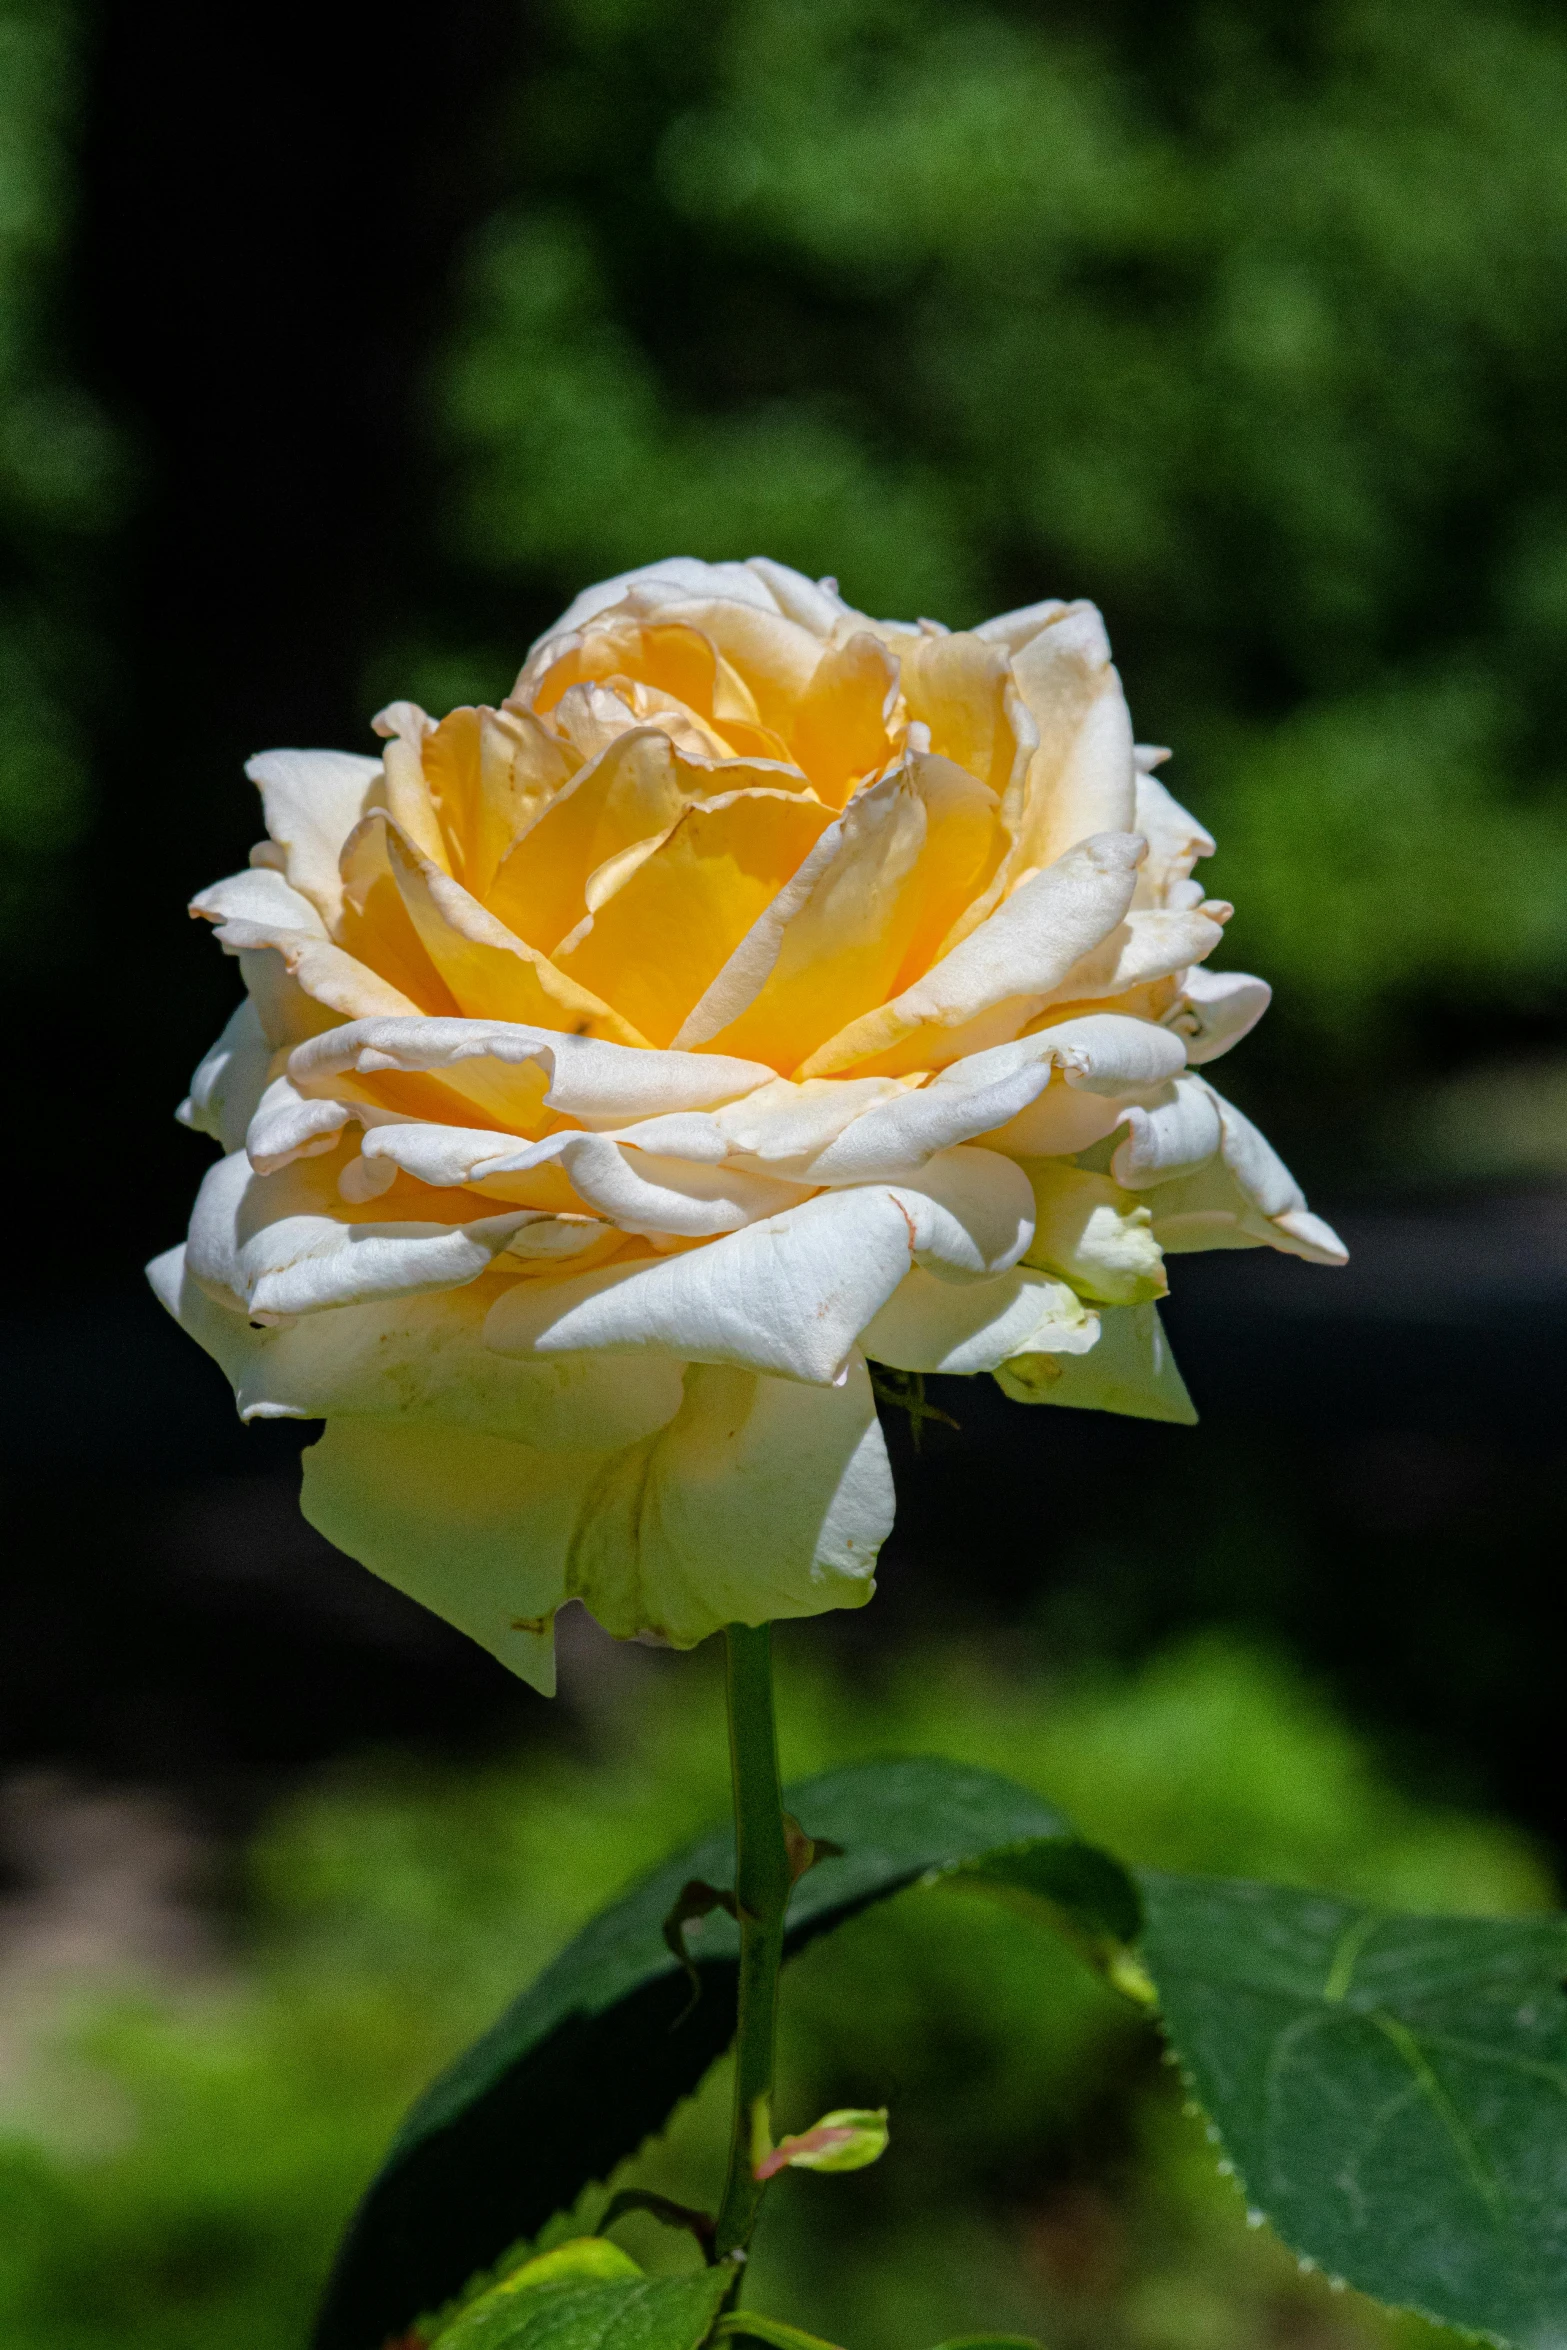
(474, 1528)
(641, 1191)
(788, 1296)
(1131, 1371)
(1144, 948)
(229, 1081)
(1176, 841)
(1216, 1009)
(412, 1358)
(1001, 975)
(864, 913)
(761, 1499)
(589, 1078)
(931, 1325)
(312, 800)
(1168, 1135)
(994, 1094)
(1244, 1198)
(285, 955)
(287, 1244)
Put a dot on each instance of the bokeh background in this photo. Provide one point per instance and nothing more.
(337, 350)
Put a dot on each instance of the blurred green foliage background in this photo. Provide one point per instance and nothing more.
(1245, 319)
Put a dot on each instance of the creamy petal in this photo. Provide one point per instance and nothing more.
(761, 1499)
(1168, 1135)
(1081, 780)
(931, 1325)
(1146, 946)
(1176, 842)
(590, 1078)
(286, 1126)
(1244, 1198)
(1216, 1009)
(790, 1295)
(1130, 1371)
(989, 1094)
(476, 1529)
(288, 1244)
(640, 1190)
(312, 800)
(410, 1358)
(229, 1080)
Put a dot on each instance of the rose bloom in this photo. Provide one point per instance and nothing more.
(759, 992)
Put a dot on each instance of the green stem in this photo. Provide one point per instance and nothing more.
(762, 1881)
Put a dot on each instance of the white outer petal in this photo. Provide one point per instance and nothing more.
(931, 1325)
(1244, 1198)
(1176, 1130)
(419, 1358)
(259, 895)
(262, 1241)
(312, 801)
(1131, 1371)
(760, 1499)
(229, 1080)
(601, 1083)
(286, 1127)
(637, 1190)
(1216, 1010)
(474, 1528)
(788, 1296)
(982, 1094)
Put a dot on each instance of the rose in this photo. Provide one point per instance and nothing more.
(760, 990)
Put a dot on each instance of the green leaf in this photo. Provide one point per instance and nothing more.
(1391, 2091)
(631, 2313)
(746, 2326)
(595, 2055)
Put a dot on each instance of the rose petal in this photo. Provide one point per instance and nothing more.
(476, 1529)
(1002, 974)
(989, 1093)
(420, 1357)
(760, 1500)
(1130, 1371)
(1217, 1008)
(590, 1079)
(288, 1244)
(660, 940)
(931, 1325)
(862, 915)
(311, 801)
(1244, 1198)
(492, 974)
(229, 1080)
(1169, 1135)
(790, 1295)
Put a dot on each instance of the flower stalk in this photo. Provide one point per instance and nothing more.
(763, 1875)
